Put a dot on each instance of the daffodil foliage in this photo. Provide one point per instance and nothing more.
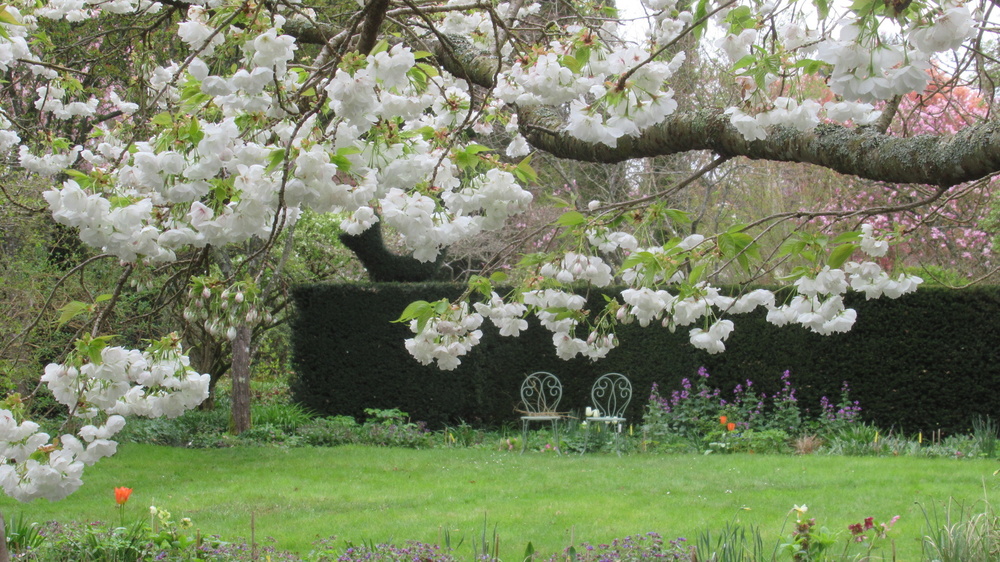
(423, 117)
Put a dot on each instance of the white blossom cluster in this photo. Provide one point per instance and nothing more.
(817, 306)
(152, 383)
(867, 66)
(555, 310)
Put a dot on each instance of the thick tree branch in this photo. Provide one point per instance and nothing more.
(944, 161)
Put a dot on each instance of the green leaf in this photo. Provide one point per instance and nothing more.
(571, 218)
(498, 277)
(558, 201)
(71, 310)
(467, 158)
(532, 260)
(853, 236)
(341, 162)
(740, 18)
(748, 60)
(677, 216)
(427, 69)
(697, 272)
(822, 8)
(102, 298)
(700, 11)
(524, 172)
(791, 247)
(277, 158)
(571, 63)
(810, 66)
(7, 17)
(162, 119)
(481, 285)
(414, 310)
(737, 245)
(841, 254)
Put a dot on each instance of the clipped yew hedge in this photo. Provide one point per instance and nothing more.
(923, 362)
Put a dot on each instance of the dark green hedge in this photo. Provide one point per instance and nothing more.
(923, 362)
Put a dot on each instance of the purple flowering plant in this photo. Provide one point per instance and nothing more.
(694, 411)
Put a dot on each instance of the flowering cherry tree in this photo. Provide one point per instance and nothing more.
(423, 117)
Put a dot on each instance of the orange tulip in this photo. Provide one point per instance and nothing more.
(122, 494)
(722, 420)
(731, 426)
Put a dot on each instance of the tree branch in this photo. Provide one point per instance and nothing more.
(944, 160)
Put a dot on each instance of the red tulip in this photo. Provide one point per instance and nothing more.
(731, 426)
(122, 494)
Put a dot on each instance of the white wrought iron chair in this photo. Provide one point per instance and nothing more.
(610, 396)
(540, 394)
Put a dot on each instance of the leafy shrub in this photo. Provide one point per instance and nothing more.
(23, 536)
(94, 542)
(854, 440)
(287, 417)
(197, 428)
(329, 432)
(767, 441)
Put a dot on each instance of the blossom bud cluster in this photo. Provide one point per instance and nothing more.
(577, 267)
(445, 338)
(220, 309)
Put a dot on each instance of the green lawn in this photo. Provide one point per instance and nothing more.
(364, 493)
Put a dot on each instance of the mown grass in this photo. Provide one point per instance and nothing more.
(366, 493)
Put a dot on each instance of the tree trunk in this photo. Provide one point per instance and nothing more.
(241, 379)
